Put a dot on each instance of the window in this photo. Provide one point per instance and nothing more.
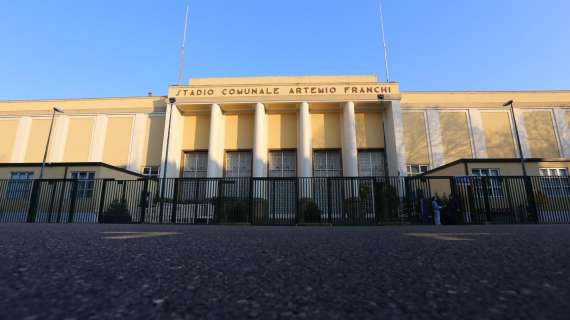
(327, 164)
(555, 181)
(20, 185)
(494, 184)
(282, 164)
(85, 183)
(417, 169)
(195, 165)
(151, 172)
(238, 164)
(371, 164)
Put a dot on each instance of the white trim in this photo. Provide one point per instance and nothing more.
(395, 144)
(259, 156)
(479, 144)
(349, 146)
(434, 135)
(22, 139)
(304, 142)
(562, 131)
(58, 138)
(137, 143)
(98, 137)
(216, 142)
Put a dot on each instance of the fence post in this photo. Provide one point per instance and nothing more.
(102, 200)
(329, 200)
(34, 197)
(73, 200)
(531, 199)
(144, 200)
(486, 198)
(174, 202)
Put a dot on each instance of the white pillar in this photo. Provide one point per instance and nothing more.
(395, 146)
(137, 147)
(98, 137)
(260, 142)
(216, 145)
(349, 147)
(563, 131)
(22, 138)
(477, 134)
(176, 124)
(58, 139)
(523, 135)
(434, 135)
(304, 148)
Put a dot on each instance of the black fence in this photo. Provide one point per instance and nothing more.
(289, 201)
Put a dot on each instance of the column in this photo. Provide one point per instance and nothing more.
(519, 117)
(173, 138)
(395, 146)
(304, 148)
(434, 135)
(58, 138)
(22, 138)
(98, 138)
(137, 147)
(260, 142)
(560, 117)
(216, 145)
(349, 147)
(477, 134)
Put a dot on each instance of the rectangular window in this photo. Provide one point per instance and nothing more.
(494, 184)
(20, 185)
(282, 164)
(151, 172)
(327, 164)
(371, 163)
(85, 183)
(238, 164)
(417, 169)
(195, 165)
(555, 181)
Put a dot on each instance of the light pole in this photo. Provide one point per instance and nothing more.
(55, 110)
(521, 154)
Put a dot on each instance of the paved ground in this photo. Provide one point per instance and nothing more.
(217, 272)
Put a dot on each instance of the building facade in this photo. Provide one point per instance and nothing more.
(287, 127)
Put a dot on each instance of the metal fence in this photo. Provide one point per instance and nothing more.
(288, 201)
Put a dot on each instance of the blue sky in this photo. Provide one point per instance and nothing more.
(69, 48)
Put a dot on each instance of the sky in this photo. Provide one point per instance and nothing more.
(108, 48)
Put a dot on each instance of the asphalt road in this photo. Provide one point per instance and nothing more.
(233, 272)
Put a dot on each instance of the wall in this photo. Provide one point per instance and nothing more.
(196, 132)
(117, 141)
(540, 134)
(37, 141)
(326, 130)
(455, 136)
(498, 134)
(239, 131)
(369, 130)
(415, 137)
(8, 130)
(282, 131)
(78, 140)
(153, 141)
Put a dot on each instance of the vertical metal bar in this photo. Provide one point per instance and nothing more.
(102, 200)
(73, 201)
(174, 201)
(144, 201)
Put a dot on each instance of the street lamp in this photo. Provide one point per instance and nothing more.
(172, 102)
(55, 110)
(521, 154)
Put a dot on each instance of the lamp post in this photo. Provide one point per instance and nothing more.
(510, 104)
(55, 110)
(172, 102)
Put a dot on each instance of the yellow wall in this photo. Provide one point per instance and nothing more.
(455, 136)
(498, 134)
(369, 131)
(8, 129)
(78, 140)
(153, 141)
(540, 134)
(118, 141)
(239, 131)
(415, 137)
(326, 130)
(38, 140)
(282, 131)
(196, 132)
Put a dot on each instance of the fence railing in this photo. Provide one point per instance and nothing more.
(288, 201)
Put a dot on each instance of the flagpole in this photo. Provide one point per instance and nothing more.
(386, 68)
(183, 48)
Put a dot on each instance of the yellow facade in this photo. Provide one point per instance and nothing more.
(8, 129)
(282, 131)
(153, 141)
(118, 140)
(196, 132)
(415, 137)
(540, 134)
(498, 134)
(369, 130)
(326, 130)
(239, 131)
(37, 141)
(456, 138)
(78, 139)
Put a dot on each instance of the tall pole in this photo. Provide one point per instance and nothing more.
(386, 68)
(183, 48)
(519, 144)
(172, 102)
(48, 141)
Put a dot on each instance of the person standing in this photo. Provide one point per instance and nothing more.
(436, 211)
